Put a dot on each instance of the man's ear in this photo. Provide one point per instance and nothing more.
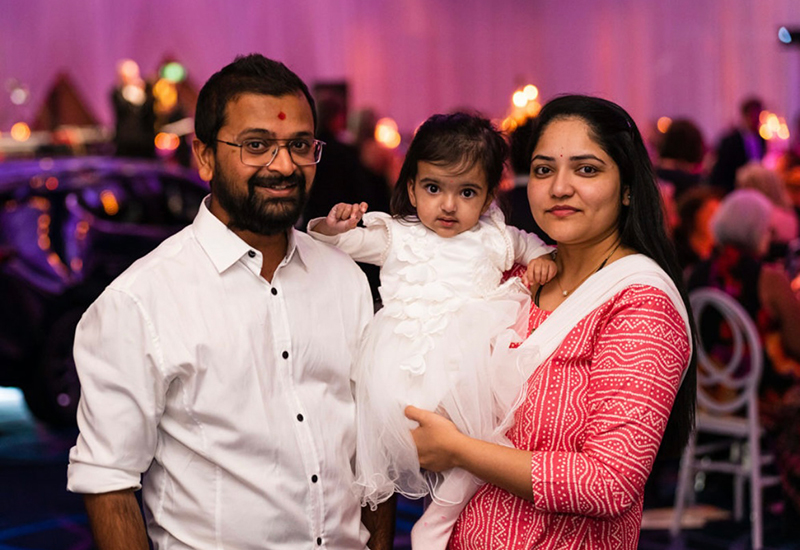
(204, 155)
(411, 195)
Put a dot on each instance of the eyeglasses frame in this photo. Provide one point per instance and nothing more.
(315, 142)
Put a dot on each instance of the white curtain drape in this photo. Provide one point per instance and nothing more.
(411, 58)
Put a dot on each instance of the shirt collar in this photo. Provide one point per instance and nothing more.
(225, 248)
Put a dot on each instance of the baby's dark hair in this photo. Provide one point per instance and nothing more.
(460, 140)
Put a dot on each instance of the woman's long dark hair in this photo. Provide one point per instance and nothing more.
(641, 224)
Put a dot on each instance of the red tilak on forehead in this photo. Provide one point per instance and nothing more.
(281, 115)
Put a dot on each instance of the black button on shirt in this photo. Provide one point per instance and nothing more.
(251, 253)
(274, 291)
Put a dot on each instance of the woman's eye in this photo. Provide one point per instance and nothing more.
(587, 170)
(540, 170)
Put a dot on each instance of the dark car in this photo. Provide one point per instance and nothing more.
(68, 227)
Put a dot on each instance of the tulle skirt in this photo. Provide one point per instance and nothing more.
(452, 378)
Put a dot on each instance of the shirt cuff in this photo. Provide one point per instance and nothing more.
(91, 479)
(330, 239)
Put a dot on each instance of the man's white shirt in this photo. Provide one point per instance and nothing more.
(232, 394)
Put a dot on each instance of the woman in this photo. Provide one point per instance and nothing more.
(589, 392)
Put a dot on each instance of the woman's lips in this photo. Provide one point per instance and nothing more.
(562, 211)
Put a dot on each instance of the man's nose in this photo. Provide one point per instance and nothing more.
(282, 163)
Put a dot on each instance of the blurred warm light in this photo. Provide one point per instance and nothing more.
(20, 131)
(134, 94)
(532, 109)
(51, 183)
(76, 264)
(773, 126)
(167, 142)
(44, 242)
(57, 265)
(174, 72)
(128, 69)
(663, 124)
(43, 222)
(37, 182)
(81, 229)
(386, 133)
(508, 124)
(109, 202)
(19, 95)
(166, 95)
(531, 92)
(519, 99)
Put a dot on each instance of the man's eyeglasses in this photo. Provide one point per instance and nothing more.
(261, 152)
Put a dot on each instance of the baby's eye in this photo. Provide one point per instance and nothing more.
(468, 193)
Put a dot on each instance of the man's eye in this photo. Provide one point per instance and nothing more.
(300, 145)
(255, 146)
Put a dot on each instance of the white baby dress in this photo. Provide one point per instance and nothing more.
(429, 346)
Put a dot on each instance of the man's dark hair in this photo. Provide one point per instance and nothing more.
(683, 141)
(458, 140)
(254, 74)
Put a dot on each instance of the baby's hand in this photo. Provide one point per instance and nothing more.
(540, 271)
(342, 217)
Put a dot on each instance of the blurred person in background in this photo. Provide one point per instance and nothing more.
(680, 157)
(692, 237)
(341, 177)
(134, 113)
(742, 229)
(381, 163)
(741, 145)
(784, 223)
(514, 201)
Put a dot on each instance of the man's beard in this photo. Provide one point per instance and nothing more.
(259, 214)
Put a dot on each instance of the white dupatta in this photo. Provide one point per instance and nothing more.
(515, 366)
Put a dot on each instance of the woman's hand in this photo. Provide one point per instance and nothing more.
(437, 439)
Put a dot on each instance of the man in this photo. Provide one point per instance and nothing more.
(217, 368)
(742, 145)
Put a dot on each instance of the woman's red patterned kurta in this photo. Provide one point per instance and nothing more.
(594, 417)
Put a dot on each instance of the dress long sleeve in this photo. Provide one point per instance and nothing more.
(367, 244)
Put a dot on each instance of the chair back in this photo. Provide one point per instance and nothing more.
(728, 388)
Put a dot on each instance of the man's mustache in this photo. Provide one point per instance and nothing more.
(294, 179)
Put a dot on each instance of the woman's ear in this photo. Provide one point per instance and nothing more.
(204, 155)
(626, 196)
(411, 193)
